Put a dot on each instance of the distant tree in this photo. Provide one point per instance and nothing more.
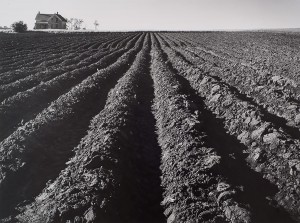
(74, 23)
(19, 27)
(96, 24)
(69, 23)
(77, 24)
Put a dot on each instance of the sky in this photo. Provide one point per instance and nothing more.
(122, 15)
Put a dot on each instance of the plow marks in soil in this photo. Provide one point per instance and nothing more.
(144, 127)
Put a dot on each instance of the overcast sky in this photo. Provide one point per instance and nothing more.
(160, 14)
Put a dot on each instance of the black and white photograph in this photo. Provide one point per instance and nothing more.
(149, 111)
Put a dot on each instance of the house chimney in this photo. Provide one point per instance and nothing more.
(39, 12)
(57, 13)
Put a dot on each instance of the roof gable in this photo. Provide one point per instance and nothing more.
(61, 18)
(43, 17)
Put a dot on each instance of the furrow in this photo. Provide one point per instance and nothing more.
(196, 189)
(40, 77)
(271, 152)
(276, 94)
(281, 111)
(106, 171)
(70, 57)
(22, 52)
(31, 76)
(23, 106)
(39, 55)
(29, 60)
(38, 150)
(265, 52)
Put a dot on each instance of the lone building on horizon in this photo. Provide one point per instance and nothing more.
(50, 21)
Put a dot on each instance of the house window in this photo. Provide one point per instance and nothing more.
(56, 26)
(56, 19)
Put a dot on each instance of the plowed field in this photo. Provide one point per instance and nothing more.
(150, 127)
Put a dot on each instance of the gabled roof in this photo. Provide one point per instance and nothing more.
(45, 17)
(62, 18)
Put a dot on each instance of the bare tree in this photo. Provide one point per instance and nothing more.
(96, 24)
(70, 23)
(74, 23)
(77, 24)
